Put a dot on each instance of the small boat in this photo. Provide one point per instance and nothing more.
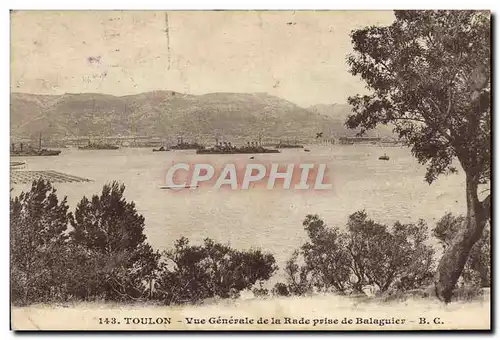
(384, 157)
(180, 187)
(161, 149)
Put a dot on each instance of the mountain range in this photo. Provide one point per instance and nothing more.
(234, 116)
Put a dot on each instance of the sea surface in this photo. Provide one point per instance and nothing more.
(260, 218)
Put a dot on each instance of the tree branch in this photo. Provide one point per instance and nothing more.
(435, 125)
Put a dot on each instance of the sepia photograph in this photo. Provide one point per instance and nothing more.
(250, 170)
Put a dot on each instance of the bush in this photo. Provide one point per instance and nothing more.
(467, 292)
(38, 222)
(281, 289)
(191, 273)
(260, 291)
(477, 269)
(424, 292)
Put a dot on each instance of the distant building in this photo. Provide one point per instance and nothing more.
(359, 140)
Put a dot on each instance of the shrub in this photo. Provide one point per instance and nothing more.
(192, 273)
(467, 292)
(260, 291)
(281, 289)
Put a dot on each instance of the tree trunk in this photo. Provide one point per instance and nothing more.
(455, 256)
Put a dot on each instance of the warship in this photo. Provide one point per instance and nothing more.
(33, 152)
(99, 146)
(181, 145)
(228, 148)
(30, 151)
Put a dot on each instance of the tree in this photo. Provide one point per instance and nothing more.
(478, 267)
(110, 247)
(298, 276)
(429, 76)
(38, 223)
(384, 256)
(411, 239)
(322, 263)
(325, 256)
(366, 253)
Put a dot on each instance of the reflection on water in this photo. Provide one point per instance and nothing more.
(270, 219)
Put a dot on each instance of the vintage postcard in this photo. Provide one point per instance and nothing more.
(250, 170)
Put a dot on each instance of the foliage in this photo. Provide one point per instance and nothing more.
(281, 289)
(468, 292)
(367, 253)
(192, 273)
(477, 270)
(106, 257)
(384, 256)
(325, 256)
(110, 246)
(260, 291)
(429, 75)
(298, 276)
(38, 222)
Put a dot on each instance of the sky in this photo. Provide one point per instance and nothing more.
(299, 56)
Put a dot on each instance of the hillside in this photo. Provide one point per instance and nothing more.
(235, 116)
(339, 113)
